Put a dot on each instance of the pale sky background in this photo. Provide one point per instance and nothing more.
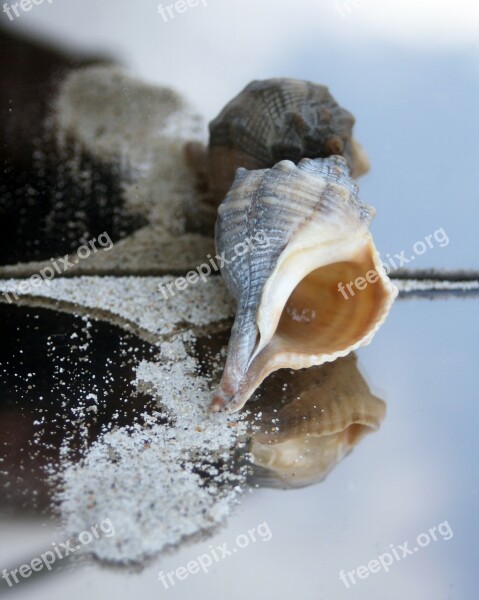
(211, 51)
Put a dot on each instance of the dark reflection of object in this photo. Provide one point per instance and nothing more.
(62, 378)
(307, 421)
(435, 284)
(303, 423)
(51, 200)
(29, 79)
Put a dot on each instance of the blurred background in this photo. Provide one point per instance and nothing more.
(407, 71)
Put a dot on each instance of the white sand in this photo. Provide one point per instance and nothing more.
(144, 479)
(137, 300)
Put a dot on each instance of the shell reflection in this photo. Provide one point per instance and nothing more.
(308, 421)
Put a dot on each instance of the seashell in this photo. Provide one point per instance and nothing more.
(279, 119)
(310, 420)
(289, 310)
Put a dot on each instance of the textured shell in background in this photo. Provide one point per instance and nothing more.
(279, 119)
(309, 421)
(307, 231)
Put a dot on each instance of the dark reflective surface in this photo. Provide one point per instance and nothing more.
(63, 380)
(53, 195)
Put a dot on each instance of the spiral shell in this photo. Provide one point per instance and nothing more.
(279, 119)
(309, 421)
(307, 232)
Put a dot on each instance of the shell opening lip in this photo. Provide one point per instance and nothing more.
(316, 323)
(293, 271)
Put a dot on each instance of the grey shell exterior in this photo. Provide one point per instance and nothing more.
(248, 211)
(284, 119)
(266, 208)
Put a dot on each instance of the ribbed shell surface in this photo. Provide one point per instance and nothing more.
(284, 119)
(274, 204)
